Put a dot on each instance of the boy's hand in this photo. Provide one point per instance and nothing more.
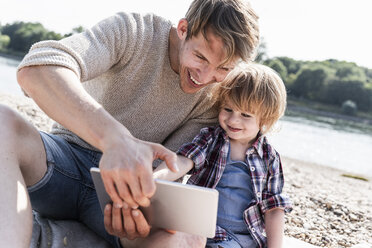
(163, 172)
(125, 222)
(170, 231)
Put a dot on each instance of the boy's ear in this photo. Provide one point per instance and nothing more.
(182, 29)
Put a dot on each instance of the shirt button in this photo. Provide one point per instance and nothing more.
(253, 169)
(253, 230)
(258, 194)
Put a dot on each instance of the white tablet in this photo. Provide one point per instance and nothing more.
(174, 206)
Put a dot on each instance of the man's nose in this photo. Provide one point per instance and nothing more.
(210, 75)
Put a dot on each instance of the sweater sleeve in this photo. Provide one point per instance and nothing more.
(93, 51)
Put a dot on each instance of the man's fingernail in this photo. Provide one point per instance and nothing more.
(176, 168)
(125, 205)
(107, 208)
(135, 213)
(118, 205)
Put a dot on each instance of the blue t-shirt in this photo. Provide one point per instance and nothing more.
(235, 194)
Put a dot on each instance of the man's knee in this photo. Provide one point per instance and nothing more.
(11, 122)
(196, 241)
(20, 143)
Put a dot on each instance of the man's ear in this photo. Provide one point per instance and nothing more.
(182, 29)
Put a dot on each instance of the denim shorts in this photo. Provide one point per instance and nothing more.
(66, 191)
(229, 243)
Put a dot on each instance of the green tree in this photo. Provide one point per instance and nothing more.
(27, 35)
(292, 66)
(24, 34)
(278, 66)
(350, 71)
(75, 30)
(310, 83)
(339, 91)
(10, 29)
(4, 41)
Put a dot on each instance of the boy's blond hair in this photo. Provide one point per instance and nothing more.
(256, 89)
(234, 21)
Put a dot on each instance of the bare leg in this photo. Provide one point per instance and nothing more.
(22, 162)
(163, 239)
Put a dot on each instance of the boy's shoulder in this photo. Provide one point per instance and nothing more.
(265, 149)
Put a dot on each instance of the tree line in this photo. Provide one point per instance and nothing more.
(18, 37)
(338, 83)
(332, 82)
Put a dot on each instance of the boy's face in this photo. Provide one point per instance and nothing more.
(240, 126)
(200, 61)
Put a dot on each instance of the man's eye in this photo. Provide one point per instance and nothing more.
(227, 109)
(199, 57)
(246, 115)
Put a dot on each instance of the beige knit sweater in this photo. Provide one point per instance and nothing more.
(124, 64)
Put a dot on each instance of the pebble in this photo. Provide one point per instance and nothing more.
(329, 214)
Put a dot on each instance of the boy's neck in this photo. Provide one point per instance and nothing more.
(238, 150)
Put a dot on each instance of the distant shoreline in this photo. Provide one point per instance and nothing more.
(11, 56)
(308, 110)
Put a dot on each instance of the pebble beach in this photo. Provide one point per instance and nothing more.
(329, 208)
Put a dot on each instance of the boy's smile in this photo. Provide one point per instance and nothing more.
(240, 126)
(232, 129)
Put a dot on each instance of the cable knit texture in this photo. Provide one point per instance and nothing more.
(124, 64)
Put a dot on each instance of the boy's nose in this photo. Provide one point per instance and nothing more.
(233, 118)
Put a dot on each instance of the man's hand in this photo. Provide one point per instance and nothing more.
(125, 222)
(126, 170)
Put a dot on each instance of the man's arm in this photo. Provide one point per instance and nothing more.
(162, 171)
(126, 163)
(274, 224)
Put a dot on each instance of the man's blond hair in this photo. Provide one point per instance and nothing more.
(234, 21)
(256, 89)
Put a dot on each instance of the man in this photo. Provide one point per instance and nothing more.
(145, 87)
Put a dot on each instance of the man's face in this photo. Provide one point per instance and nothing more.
(200, 61)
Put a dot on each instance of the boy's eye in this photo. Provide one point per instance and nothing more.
(246, 115)
(224, 69)
(227, 110)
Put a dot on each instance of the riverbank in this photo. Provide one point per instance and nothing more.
(328, 114)
(329, 210)
(12, 55)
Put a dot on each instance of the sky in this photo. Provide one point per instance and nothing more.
(300, 29)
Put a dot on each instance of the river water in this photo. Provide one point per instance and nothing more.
(323, 144)
(298, 138)
(8, 81)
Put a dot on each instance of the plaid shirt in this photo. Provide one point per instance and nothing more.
(209, 151)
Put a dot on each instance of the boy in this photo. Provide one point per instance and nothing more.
(236, 159)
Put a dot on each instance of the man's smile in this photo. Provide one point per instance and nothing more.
(193, 81)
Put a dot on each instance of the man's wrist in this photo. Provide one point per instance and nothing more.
(113, 134)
